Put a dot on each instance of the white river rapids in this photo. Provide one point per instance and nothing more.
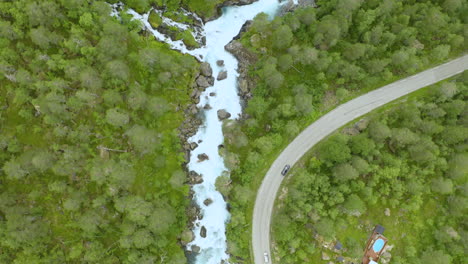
(218, 33)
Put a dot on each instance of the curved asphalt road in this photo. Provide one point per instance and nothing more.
(323, 127)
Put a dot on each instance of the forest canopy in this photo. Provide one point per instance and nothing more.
(89, 109)
(411, 180)
(315, 58)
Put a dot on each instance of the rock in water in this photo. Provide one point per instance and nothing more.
(195, 248)
(210, 80)
(203, 232)
(202, 157)
(222, 75)
(205, 69)
(193, 145)
(207, 202)
(220, 63)
(223, 114)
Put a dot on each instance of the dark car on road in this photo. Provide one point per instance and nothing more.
(285, 170)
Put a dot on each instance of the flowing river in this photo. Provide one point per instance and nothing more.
(218, 33)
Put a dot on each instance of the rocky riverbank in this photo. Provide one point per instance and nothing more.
(246, 59)
(225, 4)
(203, 79)
(290, 6)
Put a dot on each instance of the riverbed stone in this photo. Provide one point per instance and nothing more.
(220, 63)
(243, 86)
(195, 178)
(196, 94)
(195, 248)
(207, 107)
(207, 201)
(212, 94)
(202, 157)
(202, 81)
(223, 114)
(186, 146)
(205, 69)
(186, 237)
(194, 109)
(222, 75)
(203, 231)
(210, 80)
(193, 145)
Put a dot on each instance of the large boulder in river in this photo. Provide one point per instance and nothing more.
(203, 232)
(207, 201)
(202, 157)
(223, 114)
(205, 69)
(222, 75)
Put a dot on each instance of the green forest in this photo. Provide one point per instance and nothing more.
(91, 108)
(313, 59)
(206, 9)
(404, 167)
(90, 156)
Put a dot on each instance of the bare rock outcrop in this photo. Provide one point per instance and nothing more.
(223, 114)
(245, 58)
(290, 6)
(243, 55)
